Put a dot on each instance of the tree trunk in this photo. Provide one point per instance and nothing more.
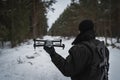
(34, 19)
(118, 39)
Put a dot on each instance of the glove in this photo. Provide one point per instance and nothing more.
(50, 50)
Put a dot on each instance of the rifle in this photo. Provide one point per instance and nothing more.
(48, 43)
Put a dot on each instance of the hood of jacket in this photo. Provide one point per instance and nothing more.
(84, 36)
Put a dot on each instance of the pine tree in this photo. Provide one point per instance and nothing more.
(17, 20)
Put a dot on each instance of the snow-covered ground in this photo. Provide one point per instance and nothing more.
(25, 63)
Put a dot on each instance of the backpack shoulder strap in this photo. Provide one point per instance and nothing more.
(91, 47)
(87, 44)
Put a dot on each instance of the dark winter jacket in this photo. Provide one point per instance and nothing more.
(78, 64)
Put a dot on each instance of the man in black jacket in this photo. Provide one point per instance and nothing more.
(81, 63)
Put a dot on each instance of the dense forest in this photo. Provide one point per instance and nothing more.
(24, 19)
(104, 13)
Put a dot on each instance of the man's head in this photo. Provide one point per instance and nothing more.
(87, 33)
(86, 25)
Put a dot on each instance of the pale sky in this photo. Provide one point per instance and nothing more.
(59, 6)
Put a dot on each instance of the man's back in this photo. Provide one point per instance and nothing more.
(91, 71)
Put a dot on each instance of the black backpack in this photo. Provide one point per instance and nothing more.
(103, 52)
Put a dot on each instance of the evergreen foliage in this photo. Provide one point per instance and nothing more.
(105, 14)
(23, 19)
(19, 18)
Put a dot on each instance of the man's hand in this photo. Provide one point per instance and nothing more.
(50, 50)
